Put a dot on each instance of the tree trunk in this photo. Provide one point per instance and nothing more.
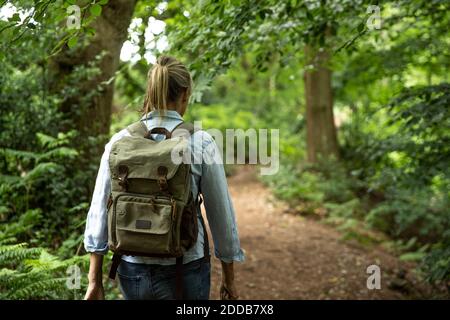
(321, 131)
(90, 113)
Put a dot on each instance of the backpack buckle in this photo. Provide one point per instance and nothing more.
(123, 177)
(162, 178)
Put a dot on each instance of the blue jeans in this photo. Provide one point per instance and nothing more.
(152, 281)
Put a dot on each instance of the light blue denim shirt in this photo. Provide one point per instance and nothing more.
(207, 178)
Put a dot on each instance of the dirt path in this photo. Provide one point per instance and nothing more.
(292, 257)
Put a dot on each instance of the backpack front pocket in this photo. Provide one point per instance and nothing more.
(143, 224)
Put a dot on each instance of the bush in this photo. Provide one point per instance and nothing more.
(394, 177)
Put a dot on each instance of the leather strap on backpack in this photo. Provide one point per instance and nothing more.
(179, 278)
(116, 259)
(184, 126)
(139, 129)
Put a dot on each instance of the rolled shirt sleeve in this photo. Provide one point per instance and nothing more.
(219, 207)
(96, 232)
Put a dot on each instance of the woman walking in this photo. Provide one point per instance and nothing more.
(143, 277)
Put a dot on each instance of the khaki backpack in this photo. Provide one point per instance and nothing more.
(151, 211)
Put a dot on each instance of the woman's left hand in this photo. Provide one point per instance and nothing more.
(95, 291)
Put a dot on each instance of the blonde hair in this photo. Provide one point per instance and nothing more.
(167, 80)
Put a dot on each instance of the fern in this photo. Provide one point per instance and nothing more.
(61, 153)
(33, 273)
(10, 179)
(16, 253)
(41, 288)
(41, 171)
(23, 225)
(17, 154)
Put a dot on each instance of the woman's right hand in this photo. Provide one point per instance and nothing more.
(228, 289)
(95, 291)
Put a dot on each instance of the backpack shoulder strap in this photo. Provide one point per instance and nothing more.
(138, 128)
(186, 126)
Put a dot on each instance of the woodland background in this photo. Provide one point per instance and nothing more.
(363, 113)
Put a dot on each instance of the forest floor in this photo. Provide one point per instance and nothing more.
(293, 257)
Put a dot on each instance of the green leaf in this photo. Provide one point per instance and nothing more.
(361, 26)
(103, 2)
(90, 31)
(15, 17)
(96, 10)
(412, 256)
(72, 42)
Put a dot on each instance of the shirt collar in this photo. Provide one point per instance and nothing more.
(167, 114)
